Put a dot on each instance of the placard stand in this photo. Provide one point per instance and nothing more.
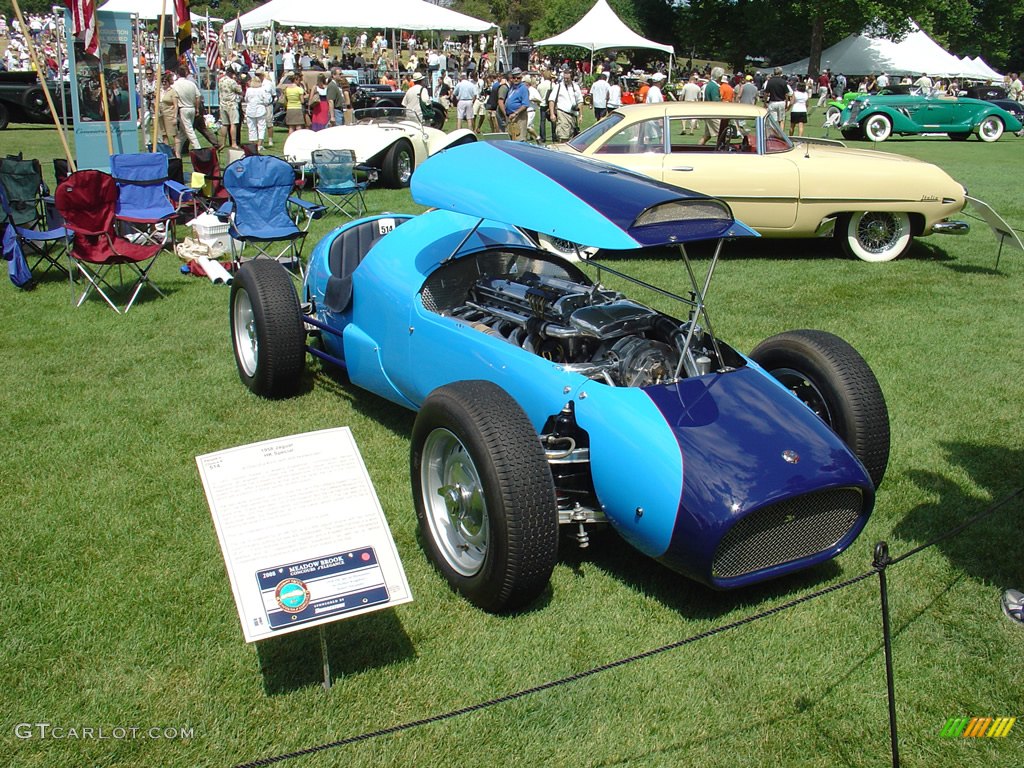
(326, 659)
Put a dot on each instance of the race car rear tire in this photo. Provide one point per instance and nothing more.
(484, 495)
(267, 332)
(878, 128)
(831, 378)
(991, 129)
(399, 163)
(876, 235)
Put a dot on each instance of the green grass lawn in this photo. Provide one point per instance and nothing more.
(118, 613)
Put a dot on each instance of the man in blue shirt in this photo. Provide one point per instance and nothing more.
(516, 104)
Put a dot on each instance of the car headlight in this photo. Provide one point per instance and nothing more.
(679, 211)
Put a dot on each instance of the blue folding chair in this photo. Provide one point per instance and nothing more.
(261, 211)
(44, 245)
(335, 182)
(147, 199)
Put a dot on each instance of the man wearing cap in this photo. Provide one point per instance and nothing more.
(654, 94)
(416, 96)
(517, 102)
(746, 92)
(726, 90)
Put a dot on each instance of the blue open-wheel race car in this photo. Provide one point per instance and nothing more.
(545, 399)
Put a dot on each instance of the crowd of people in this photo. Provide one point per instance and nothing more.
(467, 74)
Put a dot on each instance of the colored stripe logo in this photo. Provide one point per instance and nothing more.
(977, 727)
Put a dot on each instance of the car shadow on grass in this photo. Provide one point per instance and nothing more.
(360, 643)
(990, 549)
(613, 556)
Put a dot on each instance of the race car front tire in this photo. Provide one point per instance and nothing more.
(832, 379)
(266, 329)
(484, 495)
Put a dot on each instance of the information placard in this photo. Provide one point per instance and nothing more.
(302, 532)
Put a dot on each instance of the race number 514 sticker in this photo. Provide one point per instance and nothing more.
(313, 589)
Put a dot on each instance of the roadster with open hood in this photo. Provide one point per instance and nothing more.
(546, 399)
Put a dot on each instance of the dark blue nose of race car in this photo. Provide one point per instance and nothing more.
(768, 488)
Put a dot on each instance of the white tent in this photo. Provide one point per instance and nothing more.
(359, 14)
(601, 29)
(150, 9)
(863, 55)
(985, 71)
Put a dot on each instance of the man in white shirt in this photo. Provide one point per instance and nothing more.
(564, 106)
(654, 94)
(187, 96)
(882, 81)
(416, 96)
(599, 96)
(464, 94)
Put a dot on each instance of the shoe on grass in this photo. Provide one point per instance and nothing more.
(1013, 605)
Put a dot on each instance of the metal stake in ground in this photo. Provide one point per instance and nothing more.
(880, 563)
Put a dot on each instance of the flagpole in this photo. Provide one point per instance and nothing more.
(46, 89)
(103, 86)
(159, 72)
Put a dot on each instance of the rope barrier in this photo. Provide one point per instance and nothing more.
(881, 562)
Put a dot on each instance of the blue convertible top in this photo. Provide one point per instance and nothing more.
(574, 198)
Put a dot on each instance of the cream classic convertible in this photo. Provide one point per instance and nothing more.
(875, 203)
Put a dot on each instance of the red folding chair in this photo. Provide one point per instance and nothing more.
(87, 200)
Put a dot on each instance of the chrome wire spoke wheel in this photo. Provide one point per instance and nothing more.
(453, 497)
(246, 340)
(879, 231)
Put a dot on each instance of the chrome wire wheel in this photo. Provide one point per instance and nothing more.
(453, 497)
(247, 348)
(878, 235)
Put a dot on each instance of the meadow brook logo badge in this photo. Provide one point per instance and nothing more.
(977, 727)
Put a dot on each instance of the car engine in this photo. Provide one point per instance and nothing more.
(586, 328)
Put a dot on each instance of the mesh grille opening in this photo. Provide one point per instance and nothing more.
(787, 531)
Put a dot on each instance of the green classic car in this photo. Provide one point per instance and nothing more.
(879, 117)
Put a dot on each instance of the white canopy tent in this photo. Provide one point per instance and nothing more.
(983, 69)
(917, 53)
(359, 14)
(601, 29)
(150, 9)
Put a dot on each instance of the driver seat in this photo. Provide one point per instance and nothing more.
(348, 250)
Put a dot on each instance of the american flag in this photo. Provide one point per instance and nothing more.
(83, 21)
(212, 49)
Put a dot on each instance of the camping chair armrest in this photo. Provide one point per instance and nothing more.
(371, 171)
(224, 212)
(312, 210)
(177, 191)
